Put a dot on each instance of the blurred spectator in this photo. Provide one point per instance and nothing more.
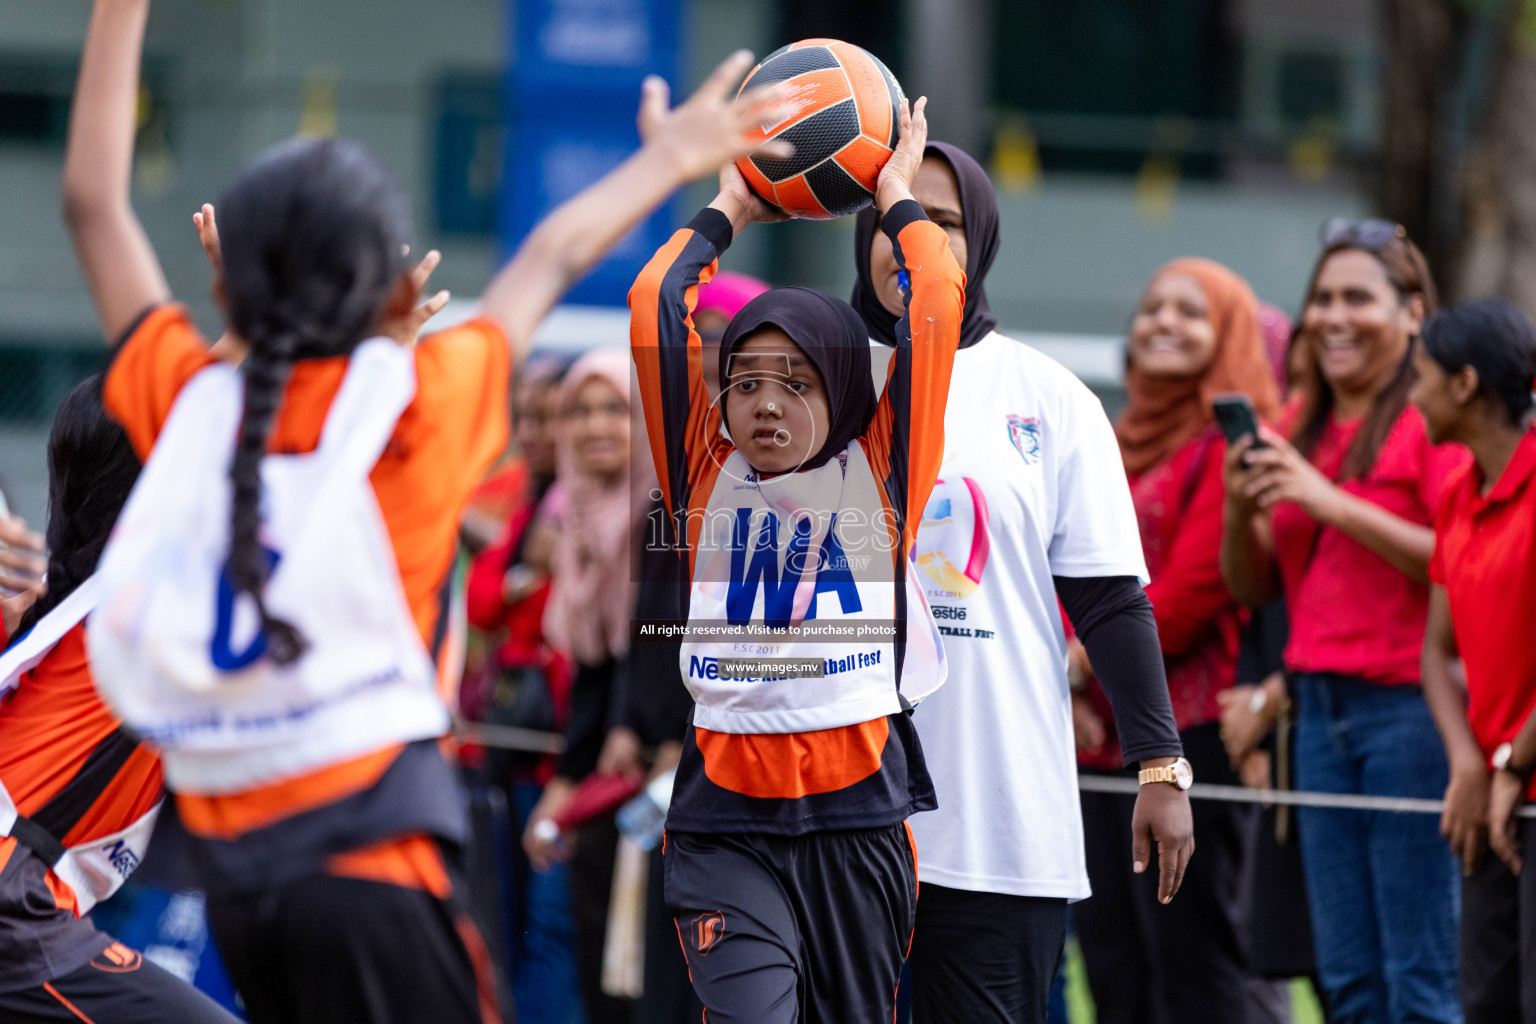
(524, 683)
(1337, 519)
(1475, 370)
(529, 465)
(1195, 335)
(601, 494)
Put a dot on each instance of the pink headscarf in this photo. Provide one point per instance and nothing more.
(727, 292)
(593, 592)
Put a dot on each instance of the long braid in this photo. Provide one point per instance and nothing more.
(266, 372)
(312, 233)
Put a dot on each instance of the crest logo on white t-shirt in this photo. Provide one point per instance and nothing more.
(1024, 432)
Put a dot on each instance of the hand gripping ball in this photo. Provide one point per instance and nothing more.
(844, 120)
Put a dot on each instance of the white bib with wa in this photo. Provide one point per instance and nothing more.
(811, 549)
(182, 660)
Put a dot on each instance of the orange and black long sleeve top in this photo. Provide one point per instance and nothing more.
(860, 764)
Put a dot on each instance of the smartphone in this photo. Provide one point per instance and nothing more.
(1235, 416)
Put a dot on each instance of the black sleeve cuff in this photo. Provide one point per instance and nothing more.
(714, 226)
(899, 216)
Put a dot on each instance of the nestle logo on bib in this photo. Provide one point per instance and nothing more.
(1024, 432)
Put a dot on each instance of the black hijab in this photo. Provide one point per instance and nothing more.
(832, 337)
(978, 208)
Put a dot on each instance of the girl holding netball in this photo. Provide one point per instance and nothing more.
(789, 868)
(333, 889)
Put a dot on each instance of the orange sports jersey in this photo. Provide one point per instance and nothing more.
(798, 778)
(53, 730)
(448, 437)
(450, 434)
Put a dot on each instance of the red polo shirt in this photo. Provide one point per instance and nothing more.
(1485, 558)
(1351, 611)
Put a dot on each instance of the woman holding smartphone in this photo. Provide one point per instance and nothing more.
(1334, 512)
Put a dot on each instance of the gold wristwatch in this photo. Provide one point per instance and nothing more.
(1178, 774)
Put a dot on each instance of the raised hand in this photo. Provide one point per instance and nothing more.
(712, 127)
(743, 206)
(896, 176)
(208, 235)
(407, 314)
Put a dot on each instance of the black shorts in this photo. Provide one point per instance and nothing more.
(327, 950)
(118, 987)
(794, 929)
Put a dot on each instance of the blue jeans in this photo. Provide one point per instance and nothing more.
(545, 984)
(1383, 887)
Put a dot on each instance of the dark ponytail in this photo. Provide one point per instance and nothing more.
(91, 470)
(312, 233)
(1496, 339)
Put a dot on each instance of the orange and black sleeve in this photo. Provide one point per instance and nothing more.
(905, 440)
(682, 424)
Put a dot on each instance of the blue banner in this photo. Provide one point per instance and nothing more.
(573, 90)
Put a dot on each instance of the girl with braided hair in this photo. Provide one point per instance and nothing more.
(333, 888)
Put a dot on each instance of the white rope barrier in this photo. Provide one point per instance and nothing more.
(1287, 797)
(533, 741)
(506, 737)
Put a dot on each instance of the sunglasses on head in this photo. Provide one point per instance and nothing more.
(1371, 235)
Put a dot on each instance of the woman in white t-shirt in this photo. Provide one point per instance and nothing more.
(1032, 506)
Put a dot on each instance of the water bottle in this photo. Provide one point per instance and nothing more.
(644, 817)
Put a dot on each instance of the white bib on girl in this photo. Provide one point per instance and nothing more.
(92, 869)
(772, 552)
(182, 661)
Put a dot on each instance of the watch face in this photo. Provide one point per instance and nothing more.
(1501, 756)
(1183, 775)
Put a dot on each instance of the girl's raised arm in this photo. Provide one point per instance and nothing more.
(120, 267)
(905, 440)
(681, 145)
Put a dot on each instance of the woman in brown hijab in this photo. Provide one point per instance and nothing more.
(1195, 335)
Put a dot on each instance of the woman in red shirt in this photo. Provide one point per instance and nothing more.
(1337, 518)
(1475, 372)
(1195, 335)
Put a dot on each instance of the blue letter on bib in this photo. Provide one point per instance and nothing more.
(224, 659)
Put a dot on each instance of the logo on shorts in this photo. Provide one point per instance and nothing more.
(118, 959)
(708, 930)
(1024, 432)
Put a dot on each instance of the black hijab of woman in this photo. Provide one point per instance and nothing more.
(978, 208)
(833, 338)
